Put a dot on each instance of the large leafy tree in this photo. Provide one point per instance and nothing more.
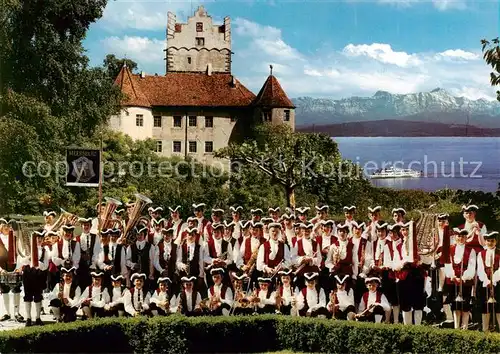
(293, 160)
(491, 54)
(113, 65)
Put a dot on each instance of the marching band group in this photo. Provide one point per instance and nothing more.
(284, 263)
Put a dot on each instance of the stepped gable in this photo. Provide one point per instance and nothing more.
(272, 95)
(134, 96)
(181, 89)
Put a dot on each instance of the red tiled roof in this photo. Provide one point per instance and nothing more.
(271, 95)
(133, 94)
(193, 89)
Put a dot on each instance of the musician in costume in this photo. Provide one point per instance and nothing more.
(89, 249)
(371, 230)
(288, 233)
(189, 299)
(349, 213)
(306, 254)
(321, 214)
(302, 214)
(49, 217)
(199, 210)
(216, 216)
(398, 215)
(175, 222)
(265, 228)
(137, 300)
(161, 303)
(156, 236)
(165, 259)
(360, 266)
(139, 258)
(190, 256)
(9, 264)
(488, 272)
(111, 258)
(191, 223)
(460, 271)
(236, 218)
(95, 297)
(219, 252)
(256, 215)
(35, 276)
(340, 256)
(67, 251)
(392, 261)
(373, 303)
(411, 275)
(242, 301)
(115, 307)
(285, 295)
(249, 251)
(262, 298)
(220, 296)
(230, 236)
(341, 305)
(274, 214)
(64, 299)
(311, 300)
(273, 255)
(476, 228)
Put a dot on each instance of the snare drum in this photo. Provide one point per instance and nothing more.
(12, 279)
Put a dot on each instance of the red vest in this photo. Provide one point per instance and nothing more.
(211, 247)
(271, 263)
(222, 291)
(171, 224)
(300, 247)
(496, 263)
(248, 248)
(457, 267)
(60, 248)
(378, 298)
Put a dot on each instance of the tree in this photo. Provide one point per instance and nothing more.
(113, 65)
(491, 54)
(291, 159)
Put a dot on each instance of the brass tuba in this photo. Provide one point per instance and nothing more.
(106, 218)
(135, 215)
(66, 218)
(426, 228)
(22, 236)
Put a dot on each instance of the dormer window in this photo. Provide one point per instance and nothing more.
(199, 26)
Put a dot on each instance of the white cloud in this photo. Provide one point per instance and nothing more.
(143, 14)
(355, 70)
(441, 5)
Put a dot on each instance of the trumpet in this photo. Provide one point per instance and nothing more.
(491, 299)
(333, 300)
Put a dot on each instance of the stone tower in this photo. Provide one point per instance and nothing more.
(198, 45)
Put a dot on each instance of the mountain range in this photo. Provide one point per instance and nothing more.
(436, 106)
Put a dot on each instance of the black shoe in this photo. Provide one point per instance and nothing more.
(5, 318)
(19, 318)
(42, 312)
(38, 322)
(28, 322)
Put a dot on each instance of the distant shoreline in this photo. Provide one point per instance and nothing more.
(399, 128)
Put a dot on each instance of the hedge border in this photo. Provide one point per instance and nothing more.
(252, 334)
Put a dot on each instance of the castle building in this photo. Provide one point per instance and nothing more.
(198, 106)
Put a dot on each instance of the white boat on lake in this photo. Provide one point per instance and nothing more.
(394, 172)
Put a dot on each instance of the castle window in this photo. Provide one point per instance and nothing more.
(209, 122)
(189, 60)
(287, 115)
(199, 26)
(266, 116)
(192, 146)
(177, 146)
(209, 147)
(200, 41)
(159, 146)
(139, 120)
(178, 27)
(192, 121)
(177, 121)
(157, 121)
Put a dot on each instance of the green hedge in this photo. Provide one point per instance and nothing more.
(257, 334)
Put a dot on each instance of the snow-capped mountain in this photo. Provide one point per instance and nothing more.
(437, 105)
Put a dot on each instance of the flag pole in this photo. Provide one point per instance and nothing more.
(100, 188)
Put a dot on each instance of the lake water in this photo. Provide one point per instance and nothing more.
(446, 162)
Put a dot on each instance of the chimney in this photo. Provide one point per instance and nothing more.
(143, 74)
(209, 69)
(233, 81)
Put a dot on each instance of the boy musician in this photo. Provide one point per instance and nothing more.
(373, 303)
(165, 259)
(340, 255)
(273, 255)
(216, 216)
(189, 300)
(311, 300)
(392, 261)
(49, 219)
(274, 214)
(115, 307)
(199, 210)
(321, 214)
(8, 264)
(341, 305)
(371, 230)
(111, 258)
(302, 214)
(306, 254)
(89, 249)
(398, 215)
(488, 272)
(349, 212)
(220, 296)
(190, 255)
(475, 228)
(64, 299)
(161, 302)
(136, 300)
(156, 236)
(95, 297)
(219, 252)
(262, 298)
(35, 276)
(288, 230)
(241, 303)
(139, 257)
(236, 218)
(67, 251)
(249, 251)
(460, 271)
(285, 295)
(175, 222)
(360, 252)
(411, 276)
(256, 214)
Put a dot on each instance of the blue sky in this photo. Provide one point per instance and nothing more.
(321, 48)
